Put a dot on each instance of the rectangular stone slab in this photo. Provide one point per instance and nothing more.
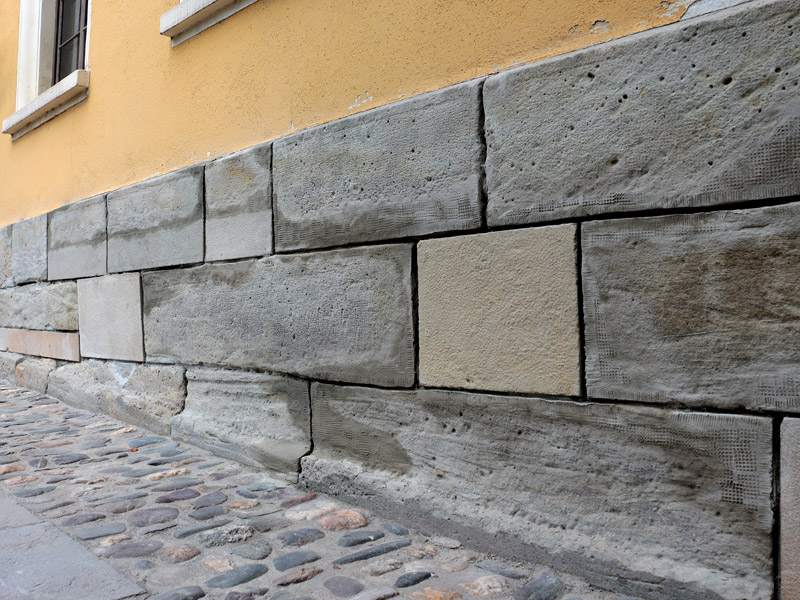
(410, 168)
(29, 249)
(626, 497)
(110, 310)
(343, 315)
(76, 240)
(700, 309)
(697, 113)
(257, 419)
(143, 395)
(6, 272)
(51, 344)
(156, 223)
(40, 306)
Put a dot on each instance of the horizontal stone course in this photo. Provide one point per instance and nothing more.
(693, 114)
(29, 250)
(410, 168)
(621, 495)
(76, 240)
(254, 418)
(51, 344)
(339, 315)
(43, 306)
(700, 309)
(156, 223)
(239, 204)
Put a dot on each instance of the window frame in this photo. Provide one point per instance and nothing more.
(80, 35)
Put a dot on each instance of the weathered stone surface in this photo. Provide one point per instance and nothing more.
(790, 508)
(499, 311)
(226, 535)
(340, 315)
(32, 373)
(193, 592)
(343, 587)
(29, 250)
(6, 260)
(409, 168)
(239, 205)
(343, 519)
(8, 365)
(294, 559)
(76, 241)
(702, 7)
(151, 516)
(156, 223)
(179, 554)
(356, 538)
(110, 312)
(372, 552)
(700, 309)
(144, 395)
(258, 550)
(635, 485)
(41, 306)
(237, 576)
(545, 587)
(411, 579)
(697, 113)
(254, 418)
(92, 533)
(301, 537)
(51, 344)
(134, 549)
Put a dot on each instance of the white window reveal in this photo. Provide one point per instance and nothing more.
(191, 17)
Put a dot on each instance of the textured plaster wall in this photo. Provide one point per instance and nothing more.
(275, 67)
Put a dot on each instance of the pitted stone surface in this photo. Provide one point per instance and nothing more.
(29, 250)
(239, 205)
(45, 306)
(6, 260)
(254, 418)
(364, 334)
(33, 373)
(499, 311)
(409, 168)
(700, 309)
(156, 223)
(693, 482)
(76, 240)
(110, 311)
(139, 394)
(697, 113)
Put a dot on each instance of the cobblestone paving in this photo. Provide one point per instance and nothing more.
(185, 525)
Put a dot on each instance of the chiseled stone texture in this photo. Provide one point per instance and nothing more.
(618, 494)
(254, 418)
(410, 168)
(239, 205)
(144, 395)
(40, 306)
(790, 509)
(499, 311)
(693, 114)
(342, 315)
(6, 260)
(157, 223)
(77, 240)
(8, 365)
(700, 309)
(110, 310)
(29, 249)
(51, 344)
(32, 373)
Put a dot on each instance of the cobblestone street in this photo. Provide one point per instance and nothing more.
(176, 523)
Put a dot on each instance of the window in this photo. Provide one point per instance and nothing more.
(51, 66)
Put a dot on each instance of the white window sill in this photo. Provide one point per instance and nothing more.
(65, 94)
(191, 17)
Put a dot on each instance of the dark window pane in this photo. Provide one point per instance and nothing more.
(70, 18)
(69, 59)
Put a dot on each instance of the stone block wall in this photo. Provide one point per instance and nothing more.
(553, 312)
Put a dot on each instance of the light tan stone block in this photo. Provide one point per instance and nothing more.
(51, 344)
(110, 316)
(499, 311)
(790, 509)
(32, 373)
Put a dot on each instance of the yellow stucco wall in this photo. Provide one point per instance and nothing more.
(275, 67)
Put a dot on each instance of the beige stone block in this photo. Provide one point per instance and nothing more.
(790, 509)
(32, 373)
(110, 316)
(51, 344)
(499, 311)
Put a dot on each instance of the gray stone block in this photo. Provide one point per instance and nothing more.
(6, 260)
(254, 418)
(32, 373)
(29, 250)
(648, 502)
(693, 114)
(143, 395)
(410, 168)
(700, 309)
(343, 315)
(8, 365)
(77, 240)
(156, 223)
(110, 310)
(239, 205)
(46, 306)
